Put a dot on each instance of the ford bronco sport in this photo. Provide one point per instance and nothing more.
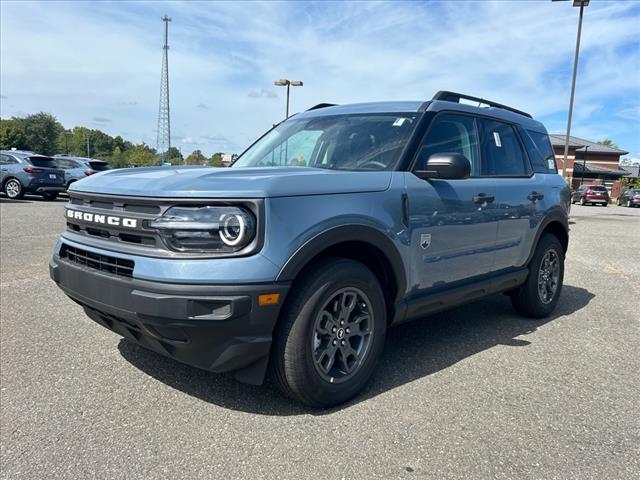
(335, 225)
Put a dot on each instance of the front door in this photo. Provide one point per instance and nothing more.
(453, 223)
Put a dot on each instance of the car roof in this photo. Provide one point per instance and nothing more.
(81, 159)
(421, 106)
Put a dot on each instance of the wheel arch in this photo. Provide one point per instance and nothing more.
(361, 243)
(556, 224)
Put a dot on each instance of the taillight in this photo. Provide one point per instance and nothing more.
(33, 170)
(89, 172)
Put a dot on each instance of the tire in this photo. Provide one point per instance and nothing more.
(49, 196)
(309, 366)
(69, 184)
(13, 189)
(527, 299)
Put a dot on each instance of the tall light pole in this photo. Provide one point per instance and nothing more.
(288, 83)
(581, 4)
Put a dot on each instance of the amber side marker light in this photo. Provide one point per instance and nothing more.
(268, 299)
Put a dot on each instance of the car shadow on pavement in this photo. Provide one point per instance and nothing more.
(413, 350)
(29, 199)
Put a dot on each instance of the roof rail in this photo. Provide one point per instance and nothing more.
(321, 105)
(456, 97)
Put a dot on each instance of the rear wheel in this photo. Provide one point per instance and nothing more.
(13, 188)
(538, 296)
(49, 196)
(330, 334)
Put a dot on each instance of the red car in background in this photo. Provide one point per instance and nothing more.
(591, 194)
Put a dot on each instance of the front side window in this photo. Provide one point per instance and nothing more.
(501, 150)
(451, 133)
(340, 142)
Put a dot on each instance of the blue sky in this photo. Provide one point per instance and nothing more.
(98, 64)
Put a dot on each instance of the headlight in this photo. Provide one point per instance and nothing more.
(206, 229)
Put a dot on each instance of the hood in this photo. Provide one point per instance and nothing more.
(209, 182)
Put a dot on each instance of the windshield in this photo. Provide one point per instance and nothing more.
(339, 142)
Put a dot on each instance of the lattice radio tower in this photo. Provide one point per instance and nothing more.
(164, 121)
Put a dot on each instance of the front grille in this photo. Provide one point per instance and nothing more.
(97, 261)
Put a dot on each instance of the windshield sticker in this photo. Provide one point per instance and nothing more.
(552, 164)
(399, 122)
(496, 138)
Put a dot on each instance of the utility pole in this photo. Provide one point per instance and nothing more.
(581, 4)
(164, 120)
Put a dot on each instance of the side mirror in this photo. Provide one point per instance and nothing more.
(451, 166)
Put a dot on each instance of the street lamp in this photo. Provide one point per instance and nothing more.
(581, 4)
(288, 83)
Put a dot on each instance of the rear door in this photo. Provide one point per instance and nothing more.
(519, 201)
(452, 222)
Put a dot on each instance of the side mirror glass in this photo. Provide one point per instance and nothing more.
(452, 166)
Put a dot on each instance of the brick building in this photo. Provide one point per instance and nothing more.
(589, 162)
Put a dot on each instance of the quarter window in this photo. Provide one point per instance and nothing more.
(501, 150)
(540, 151)
(451, 133)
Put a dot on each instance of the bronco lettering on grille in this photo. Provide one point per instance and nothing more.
(102, 219)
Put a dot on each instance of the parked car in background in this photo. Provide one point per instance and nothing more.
(591, 194)
(630, 198)
(26, 172)
(77, 168)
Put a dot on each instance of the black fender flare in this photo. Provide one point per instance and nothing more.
(346, 233)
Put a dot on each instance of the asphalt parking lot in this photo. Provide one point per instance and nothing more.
(473, 393)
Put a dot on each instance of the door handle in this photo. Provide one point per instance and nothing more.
(533, 196)
(483, 198)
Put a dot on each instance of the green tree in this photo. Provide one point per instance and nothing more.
(216, 160)
(11, 135)
(608, 143)
(41, 133)
(174, 155)
(118, 159)
(141, 156)
(196, 158)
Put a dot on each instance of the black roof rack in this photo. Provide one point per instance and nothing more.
(455, 97)
(321, 105)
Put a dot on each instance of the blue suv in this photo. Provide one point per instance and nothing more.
(25, 172)
(77, 168)
(335, 225)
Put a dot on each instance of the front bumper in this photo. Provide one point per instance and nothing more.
(214, 327)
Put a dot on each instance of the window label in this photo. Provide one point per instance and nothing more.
(496, 138)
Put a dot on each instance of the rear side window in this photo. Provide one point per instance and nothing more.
(66, 164)
(43, 162)
(7, 160)
(99, 166)
(501, 150)
(540, 151)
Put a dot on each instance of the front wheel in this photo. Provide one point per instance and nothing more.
(331, 333)
(538, 296)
